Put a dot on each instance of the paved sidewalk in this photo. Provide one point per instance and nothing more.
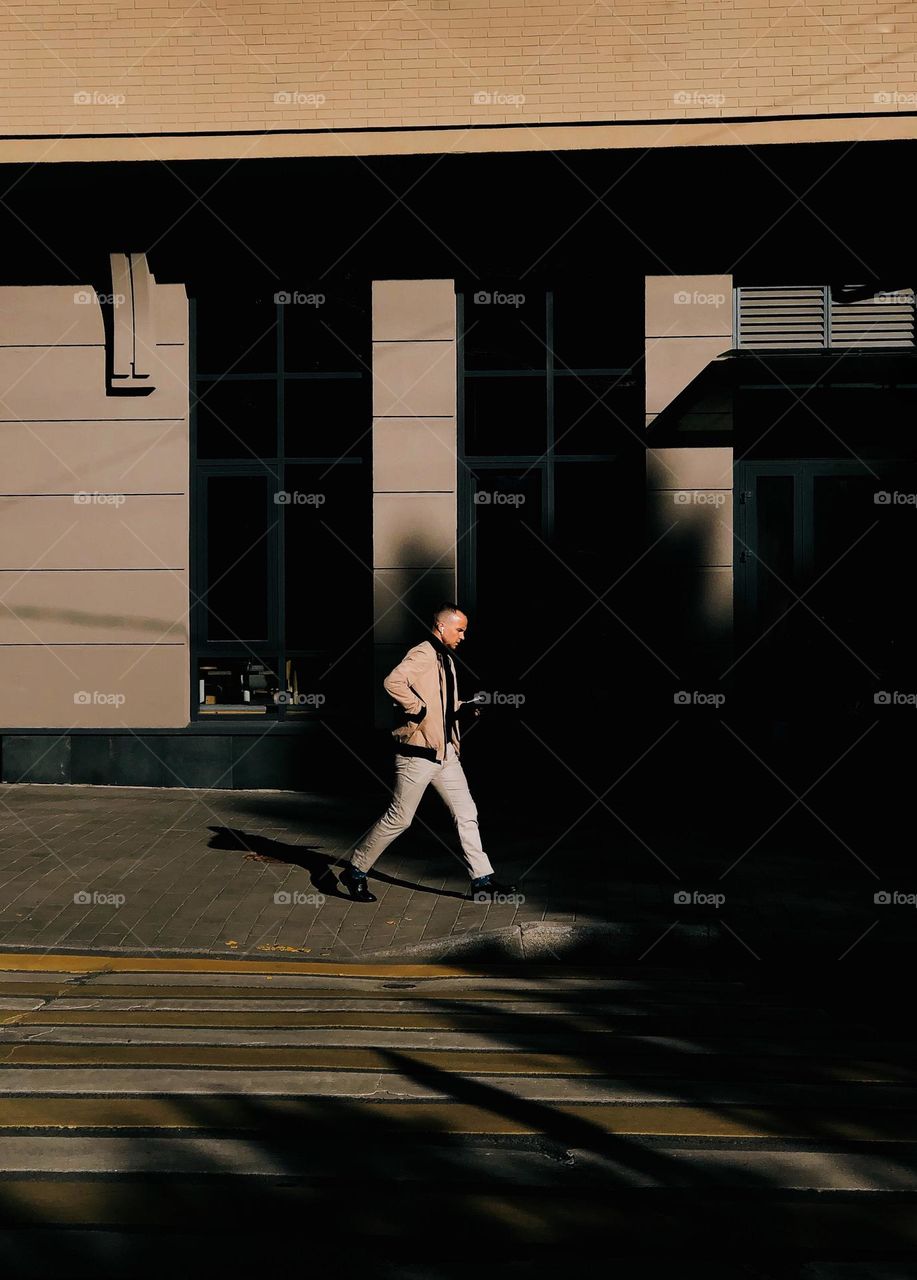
(253, 874)
(226, 873)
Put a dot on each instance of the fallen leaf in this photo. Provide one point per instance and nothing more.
(273, 946)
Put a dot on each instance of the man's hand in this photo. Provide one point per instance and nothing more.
(475, 703)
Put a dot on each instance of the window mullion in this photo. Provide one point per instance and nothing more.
(549, 398)
(278, 560)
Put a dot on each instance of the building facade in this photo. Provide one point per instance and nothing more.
(598, 320)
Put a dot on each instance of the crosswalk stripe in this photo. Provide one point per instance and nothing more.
(231, 1012)
(610, 1044)
(363, 987)
(286, 1115)
(96, 963)
(496, 1062)
(113, 1081)
(137, 1098)
(196, 1155)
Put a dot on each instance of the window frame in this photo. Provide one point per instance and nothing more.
(546, 462)
(275, 649)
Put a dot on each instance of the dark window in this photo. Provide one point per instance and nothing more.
(552, 469)
(327, 417)
(597, 509)
(237, 419)
(583, 395)
(593, 326)
(236, 332)
(326, 332)
(505, 328)
(505, 416)
(327, 555)
(282, 416)
(594, 413)
(237, 558)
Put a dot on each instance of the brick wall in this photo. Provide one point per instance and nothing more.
(193, 65)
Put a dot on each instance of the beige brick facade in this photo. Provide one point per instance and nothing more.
(100, 68)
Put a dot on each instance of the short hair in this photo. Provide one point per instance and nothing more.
(445, 610)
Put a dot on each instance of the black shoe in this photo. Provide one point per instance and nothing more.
(486, 889)
(356, 885)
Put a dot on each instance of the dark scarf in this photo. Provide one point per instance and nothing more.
(444, 655)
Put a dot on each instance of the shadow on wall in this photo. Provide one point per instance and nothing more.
(83, 618)
(579, 681)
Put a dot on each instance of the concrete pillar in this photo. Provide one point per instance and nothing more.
(689, 487)
(414, 465)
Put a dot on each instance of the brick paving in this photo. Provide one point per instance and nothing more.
(252, 873)
(224, 872)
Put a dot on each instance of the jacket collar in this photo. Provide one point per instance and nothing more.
(440, 648)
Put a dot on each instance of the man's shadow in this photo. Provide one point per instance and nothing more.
(319, 865)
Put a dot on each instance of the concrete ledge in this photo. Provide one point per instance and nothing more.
(517, 944)
(587, 947)
(464, 137)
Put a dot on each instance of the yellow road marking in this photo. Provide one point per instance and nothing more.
(327, 1115)
(238, 991)
(613, 1060)
(96, 963)
(280, 1020)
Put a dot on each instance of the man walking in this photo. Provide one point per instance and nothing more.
(427, 743)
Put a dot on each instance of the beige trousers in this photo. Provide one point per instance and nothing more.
(413, 775)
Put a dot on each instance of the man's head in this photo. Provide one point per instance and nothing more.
(449, 625)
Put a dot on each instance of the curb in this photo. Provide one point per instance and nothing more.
(626, 943)
(515, 944)
(621, 942)
(563, 943)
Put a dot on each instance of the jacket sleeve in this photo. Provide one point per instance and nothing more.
(397, 683)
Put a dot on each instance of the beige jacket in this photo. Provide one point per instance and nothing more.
(418, 686)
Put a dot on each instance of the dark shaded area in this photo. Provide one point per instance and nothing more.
(571, 624)
(387, 1184)
(353, 218)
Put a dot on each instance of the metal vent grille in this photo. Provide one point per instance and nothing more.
(807, 317)
(884, 320)
(790, 317)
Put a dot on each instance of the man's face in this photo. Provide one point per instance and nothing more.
(453, 630)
